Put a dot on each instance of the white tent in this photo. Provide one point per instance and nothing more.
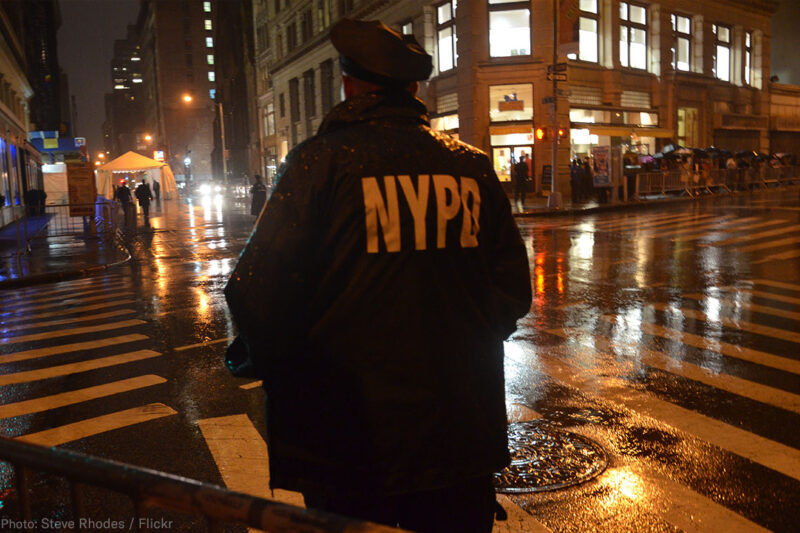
(157, 171)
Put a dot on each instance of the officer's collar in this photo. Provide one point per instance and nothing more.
(383, 104)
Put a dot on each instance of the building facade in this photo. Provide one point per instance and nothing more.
(20, 163)
(632, 76)
(178, 56)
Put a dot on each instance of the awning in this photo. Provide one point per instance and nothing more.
(624, 131)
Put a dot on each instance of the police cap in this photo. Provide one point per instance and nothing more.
(371, 51)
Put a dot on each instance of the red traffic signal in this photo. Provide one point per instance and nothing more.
(540, 134)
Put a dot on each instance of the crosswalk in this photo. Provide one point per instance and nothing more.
(70, 329)
(694, 337)
(758, 235)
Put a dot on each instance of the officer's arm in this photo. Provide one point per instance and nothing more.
(509, 264)
(268, 290)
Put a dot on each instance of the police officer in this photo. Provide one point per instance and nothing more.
(374, 297)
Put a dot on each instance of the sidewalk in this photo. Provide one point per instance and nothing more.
(52, 259)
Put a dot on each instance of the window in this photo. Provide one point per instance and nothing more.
(633, 35)
(345, 6)
(306, 29)
(212, 75)
(682, 39)
(210, 59)
(208, 24)
(209, 42)
(291, 36)
(323, 13)
(269, 120)
(587, 32)
(212, 93)
(294, 99)
(748, 57)
(446, 35)
(326, 84)
(188, 59)
(509, 28)
(511, 102)
(282, 105)
(309, 93)
(207, 7)
(722, 52)
(407, 29)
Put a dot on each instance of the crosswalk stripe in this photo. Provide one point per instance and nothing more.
(518, 520)
(517, 412)
(241, 457)
(638, 222)
(758, 235)
(55, 401)
(791, 254)
(730, 350)
(762, 294)
(678, 505)
(97, 425)
(705, 226)
(206, 343)
(778, 284)
(251, 385)
(67, 348)
(70, 311)
(48, 323)
(741, 387)
(764, 309)
(11, 304)
(773, 455)
(68, 285)
(72, 331)
(742, 325)
(75, 368)
(730, 227)
(65, 301)
(659, 224)
(767, 245)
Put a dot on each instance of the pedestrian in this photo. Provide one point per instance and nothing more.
(373, 298)
(259, 192)
(575, 180)
(157, 190)
(124, 198)
(519, 172)
(144, 195)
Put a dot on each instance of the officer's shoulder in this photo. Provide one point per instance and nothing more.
(456, 146)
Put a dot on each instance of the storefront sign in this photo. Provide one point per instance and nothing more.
(82, 190)
(744, 122)
(511, 105)
(601, 166)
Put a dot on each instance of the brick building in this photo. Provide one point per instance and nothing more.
(637, 75)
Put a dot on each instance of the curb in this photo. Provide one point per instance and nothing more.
(640, 204)
(53, 277)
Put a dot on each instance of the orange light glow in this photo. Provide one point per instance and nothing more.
(187, 98)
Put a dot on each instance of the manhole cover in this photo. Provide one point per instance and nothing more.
(544, 458)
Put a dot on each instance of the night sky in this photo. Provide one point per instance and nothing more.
(85, 47)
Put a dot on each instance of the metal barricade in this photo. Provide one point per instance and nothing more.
(98, 219)
(149, 489)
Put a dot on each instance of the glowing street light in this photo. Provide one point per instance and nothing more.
(148, 137)
(101, 155)
(187, 98)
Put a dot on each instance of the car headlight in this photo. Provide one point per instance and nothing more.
(217, 188)
(205, 188)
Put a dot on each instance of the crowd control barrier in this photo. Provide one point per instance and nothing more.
(149, 490)
(714, 180)
(99, 218)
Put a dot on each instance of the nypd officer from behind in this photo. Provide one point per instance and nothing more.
(373, 298)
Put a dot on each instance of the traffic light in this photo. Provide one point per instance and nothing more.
(561, 133)
(541, 134)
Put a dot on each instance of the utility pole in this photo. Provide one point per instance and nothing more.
(222, 139)
(554, 200)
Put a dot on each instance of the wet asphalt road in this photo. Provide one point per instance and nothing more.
(668, 336)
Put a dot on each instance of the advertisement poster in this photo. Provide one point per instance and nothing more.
(602, 170)
(82, 192)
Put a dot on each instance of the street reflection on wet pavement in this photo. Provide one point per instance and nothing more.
(666, 335)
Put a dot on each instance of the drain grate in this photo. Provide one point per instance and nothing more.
(545, 458)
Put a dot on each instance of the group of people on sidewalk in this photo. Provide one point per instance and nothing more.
(143, 194)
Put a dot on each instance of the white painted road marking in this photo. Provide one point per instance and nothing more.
(68, 348)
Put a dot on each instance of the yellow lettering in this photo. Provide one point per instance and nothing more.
(470, 226)
(418, 204)
(447, 205)
(386, 213)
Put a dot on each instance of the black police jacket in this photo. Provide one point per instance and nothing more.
(374, 296)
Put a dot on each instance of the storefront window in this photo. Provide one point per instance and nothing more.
(507, 150)
(5, 181)
(633, 35)
(446, 35)
(509, 28)
(446, 123)
(722, 52)
(682, 38)
(588, 22)
(589, 116)
(511, 102)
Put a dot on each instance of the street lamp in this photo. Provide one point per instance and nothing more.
(148, 137)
